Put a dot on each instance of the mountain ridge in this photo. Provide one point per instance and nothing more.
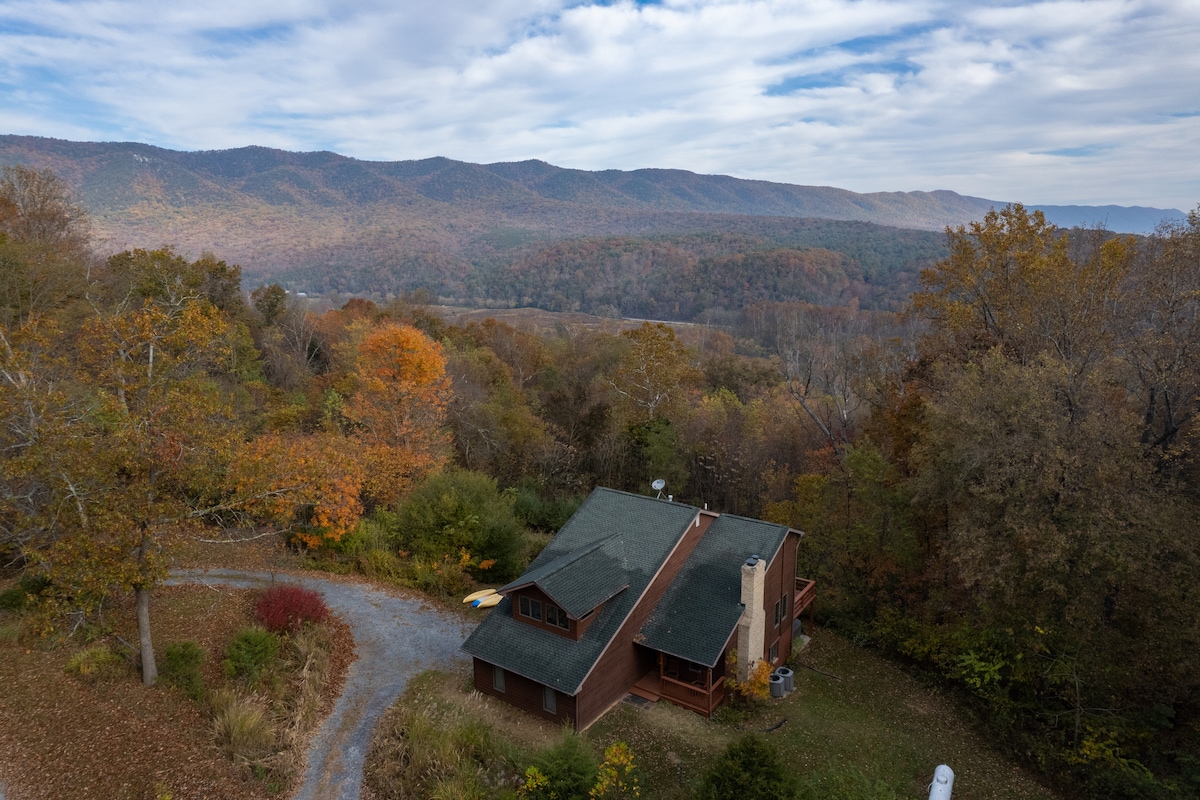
(444, 179)
(323, 221)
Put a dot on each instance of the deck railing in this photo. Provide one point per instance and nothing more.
(697, 698)
(806, 593)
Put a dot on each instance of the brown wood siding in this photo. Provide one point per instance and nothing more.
(578, 626)
(622, 663)
(523, 693)
(780, 584)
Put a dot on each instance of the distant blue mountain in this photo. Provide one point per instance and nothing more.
(1120, 219)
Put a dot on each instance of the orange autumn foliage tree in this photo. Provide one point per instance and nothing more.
(310, 485)
(398, 409)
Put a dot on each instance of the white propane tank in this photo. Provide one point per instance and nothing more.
(943, 783)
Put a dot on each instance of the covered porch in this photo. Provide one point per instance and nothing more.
(684, 683)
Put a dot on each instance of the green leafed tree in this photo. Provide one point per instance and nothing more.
(749, 767)
(458, 510)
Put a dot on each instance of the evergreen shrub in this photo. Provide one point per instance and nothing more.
(543, 514)
(180, 666)
(459, 512)
(252, 652)
(12, 599)
(749, 767)
(569, 768)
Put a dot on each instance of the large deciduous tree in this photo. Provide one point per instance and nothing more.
(654, 374)
(44, 247)
(398, 408)
(132, 440)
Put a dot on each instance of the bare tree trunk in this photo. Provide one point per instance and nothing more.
(149, 668)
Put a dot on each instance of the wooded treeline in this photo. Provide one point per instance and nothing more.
(682, 276)
(999, 485)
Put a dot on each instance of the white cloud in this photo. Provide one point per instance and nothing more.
(1047, 102)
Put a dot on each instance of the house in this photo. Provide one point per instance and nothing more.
(637, 594)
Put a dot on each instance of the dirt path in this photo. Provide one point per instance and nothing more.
(396, 638)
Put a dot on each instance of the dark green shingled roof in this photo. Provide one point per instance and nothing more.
(581, 580)
(647, 531)
(700, 611)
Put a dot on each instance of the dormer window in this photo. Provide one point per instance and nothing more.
(532, 608)
(557, 617)
(548, 612)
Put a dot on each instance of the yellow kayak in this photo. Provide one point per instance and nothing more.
(473, 596)
(488, 602)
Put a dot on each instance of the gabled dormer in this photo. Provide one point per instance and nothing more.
(564, 595)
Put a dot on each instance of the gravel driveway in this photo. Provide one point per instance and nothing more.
(396, 637)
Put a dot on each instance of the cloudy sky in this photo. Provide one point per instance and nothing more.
(1091, 101)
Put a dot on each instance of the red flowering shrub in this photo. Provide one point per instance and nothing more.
(287, 608)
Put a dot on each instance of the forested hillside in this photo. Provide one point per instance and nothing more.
(999, 487)
(320, 222)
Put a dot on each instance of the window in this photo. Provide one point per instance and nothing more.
(778, 612)
(549, 700)
(531, 608)
(774, 655)
(557, 617)
(498, 678)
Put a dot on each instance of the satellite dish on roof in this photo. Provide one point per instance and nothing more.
(658, 486)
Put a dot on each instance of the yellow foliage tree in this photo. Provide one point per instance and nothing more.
(616, 779)
(757, 685)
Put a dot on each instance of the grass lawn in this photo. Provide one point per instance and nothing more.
(872, 733)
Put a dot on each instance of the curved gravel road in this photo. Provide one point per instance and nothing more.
(396, 638)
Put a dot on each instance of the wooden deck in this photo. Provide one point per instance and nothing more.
(803, 599)
(648, 687)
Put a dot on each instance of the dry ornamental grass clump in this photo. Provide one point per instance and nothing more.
(242, 726)
(97, 663)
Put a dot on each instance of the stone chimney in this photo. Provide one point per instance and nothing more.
(751, 631)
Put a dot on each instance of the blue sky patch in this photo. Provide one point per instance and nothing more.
(242, 37)
(863, 45)
(1082, 151)
(840, 77)
(21, 27)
